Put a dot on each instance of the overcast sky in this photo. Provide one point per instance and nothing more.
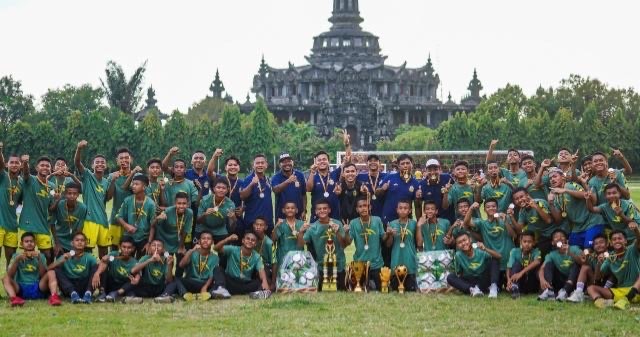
(47, 44)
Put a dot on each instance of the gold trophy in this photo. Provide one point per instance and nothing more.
(401, 275)
(329, 265)
(359, 275)
(385, 277)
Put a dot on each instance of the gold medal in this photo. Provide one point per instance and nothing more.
(564, 214)
(406, 176)
(355, 193)
(411, 189)
(215, 209)
(12, 203)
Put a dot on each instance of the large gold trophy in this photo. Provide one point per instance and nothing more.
(329, 264)
(401, 275)
(385, 277)
(359, 276)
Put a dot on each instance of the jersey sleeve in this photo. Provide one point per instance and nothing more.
(512, 257)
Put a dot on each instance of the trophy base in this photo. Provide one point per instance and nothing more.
(329, 286)
(384, 289)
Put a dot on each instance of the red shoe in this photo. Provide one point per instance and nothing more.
(16, 301)
(54, 300)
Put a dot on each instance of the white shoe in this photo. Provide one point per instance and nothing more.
(476, 292)
(546, 295)
(221, 292)
(493, 291)
(576, 297)
(562, 295)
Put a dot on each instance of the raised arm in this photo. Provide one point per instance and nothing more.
(166, 161)
(492, 146)
(77, 158)
(25, 167)
(211, 167)
(625, 163)
(220, 245)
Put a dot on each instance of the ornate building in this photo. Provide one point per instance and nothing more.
(348, 85)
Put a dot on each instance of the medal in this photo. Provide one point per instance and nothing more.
(373, 197)
(402, 244)
(261, 195)
(11, 203)
(564, 214)
(206, 184)
(411, 189)
(474, 245)
(52, 192)
(111, 258)
(406, 176)
(297, 184)
(331, 182)
(355, 193)
(326, 194)
(559, 244)
(166, 255)
(215, 209)
(72, 253)
(295, 233)
(366, 247)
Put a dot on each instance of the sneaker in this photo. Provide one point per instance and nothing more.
(112, 296)
(476, 292)
(260, 294)
(75, 298)
(515, 292)
(576, 297)
(16, 301)
(602, 303)
(546, 295)
(54, 300)
(87, 298)
(164, 298)
(204, 296)
(221, 292)
(562, 295)
(622, 304)
(189, 297)
(102, 297)
(493, 291)
(132, 300)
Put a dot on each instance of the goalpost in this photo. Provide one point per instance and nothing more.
(476, 158)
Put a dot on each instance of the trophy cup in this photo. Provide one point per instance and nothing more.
(385, 277)
(329, 265)
(360, 275)
(401, 275)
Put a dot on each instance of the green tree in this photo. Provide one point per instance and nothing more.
(46, 140)
(209, 109)
(57, 104)
(122, 93)
(261, 135)
(123, 134)
(176, 132)
(230, 134)
(20, 139)
(151, 144)
(411, 138)
(14, 104)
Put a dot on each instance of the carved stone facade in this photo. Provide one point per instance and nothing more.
(347, 84)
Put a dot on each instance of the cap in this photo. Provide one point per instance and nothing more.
(433, 162)
(283, 156)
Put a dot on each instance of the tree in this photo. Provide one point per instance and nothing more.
(20, 138)
(14, 104)
(209, 109)
(123, 134)
(122, 93)
(57, 104)
(411, 138)
(230, 134)
(176, 132)
(151, 145)
(261, 135)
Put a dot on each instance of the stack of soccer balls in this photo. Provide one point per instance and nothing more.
(433, 269)
(298, 273)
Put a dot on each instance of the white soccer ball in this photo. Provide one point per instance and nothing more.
(298, 261)
(287, 278)
(422, 260)
(445, 259)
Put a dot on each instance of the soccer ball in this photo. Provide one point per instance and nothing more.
(306, 279)
(445, 259)
(287, 278)
(298, 261)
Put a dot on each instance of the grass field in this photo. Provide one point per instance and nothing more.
(325, 314)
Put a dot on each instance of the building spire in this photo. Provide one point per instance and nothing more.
(151, 100)
(475, 86)
(346, 14)
(217, 87)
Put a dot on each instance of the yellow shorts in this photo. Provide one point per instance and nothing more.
(620, 293)
(8, 239)
(96, 234)
(115, 232)
(43, 241)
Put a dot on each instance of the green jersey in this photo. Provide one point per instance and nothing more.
(60, 183)
(562, 262)
(264, 247)
(535, 192)
(458, 192)
(169, 230)
(626, 268)
(94, 194)
(217, 221)
(138, 215)
(10, 194)
(516, 255)
(153, 191)
(501, 193)
(119, 195)
(286, 241)
(514, 178)
(154, 273)
(36, 199)
(68, 222)
(532, 221)
(201, 267)
(576, 210)
(615, 221)
(433, 235)
(119, 269)
(28, 271)
(186, 186)
(318, 234)
(78, 267)
(367, 238)
(403, 251)
(240, 266)
(496, 236)
(473, 266)
(597, 184)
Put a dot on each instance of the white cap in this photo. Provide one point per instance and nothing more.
(433, 162)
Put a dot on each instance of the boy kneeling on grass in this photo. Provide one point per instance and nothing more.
(27, 275)
(152, 275)
(114, 271)
(73, 271)
(477, 268)
(560, 268)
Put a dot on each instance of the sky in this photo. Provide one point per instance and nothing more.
(47, 44)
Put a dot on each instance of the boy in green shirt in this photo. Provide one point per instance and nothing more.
(589, 261)
(560, 268)
(243, 264)
(367, 234)
(619, 213)
(114, 271)
(216, 213)
(403, 246)
(180, 183)
(496, 188)
(323, 234)
(136, 214)
(10, 194)
(477, 268)
(60, 176)
(523, 265)
(172, 227)
(26, 276)
(624, 264)
(68, 215)
(73, 271)
(285, 233)
(461, 189)
(534, 216)
(152, 276)
(432, 228)
(603, 175)
(119, 191)
(264, 247)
